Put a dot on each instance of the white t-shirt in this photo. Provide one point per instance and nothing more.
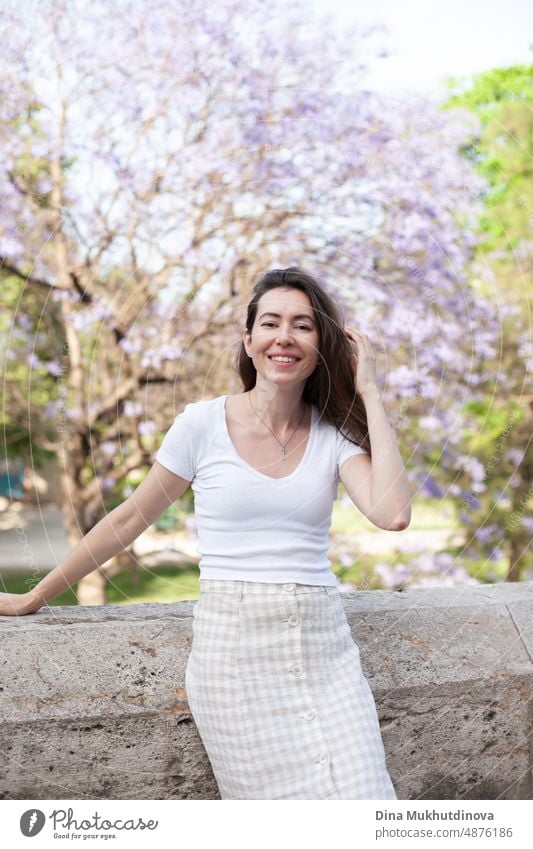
(252, 527)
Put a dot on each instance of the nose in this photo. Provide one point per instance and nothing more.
(284, 334)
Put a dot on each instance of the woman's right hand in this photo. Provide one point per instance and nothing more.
(18, 604)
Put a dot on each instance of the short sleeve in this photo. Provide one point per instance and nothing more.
(176, 452)
(346, 449)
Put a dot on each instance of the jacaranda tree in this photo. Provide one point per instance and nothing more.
(158, 155)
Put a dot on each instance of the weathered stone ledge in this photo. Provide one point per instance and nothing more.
(94, 705)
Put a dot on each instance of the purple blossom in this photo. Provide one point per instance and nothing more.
(81, 321)
(151, 361)
(99, 311)
(488, 533)
(55, 368)
(387, 574)
(432, 488)
(430, 423)
(423, 581)
(33, 360)
(147, 428)
(50, 410)
(425, 563)
(515, 455)
(24, 321)
(403, 574)
(403, 377)
(427, 570)
(393, 576)
(132, 408)
(154, 357)
(474, 468)
(130, 346)
(443, 559)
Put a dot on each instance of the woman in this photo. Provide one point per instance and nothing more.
(274, 679)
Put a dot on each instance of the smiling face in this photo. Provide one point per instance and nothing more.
(285, 327)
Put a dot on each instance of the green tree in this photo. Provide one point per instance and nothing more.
(500, 515)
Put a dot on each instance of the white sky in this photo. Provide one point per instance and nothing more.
(428, 40)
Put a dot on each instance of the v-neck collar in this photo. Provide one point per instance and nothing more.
(246, 465)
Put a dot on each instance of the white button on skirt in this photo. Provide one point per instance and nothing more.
(276, 689)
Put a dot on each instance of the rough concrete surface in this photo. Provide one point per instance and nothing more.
(94, 704)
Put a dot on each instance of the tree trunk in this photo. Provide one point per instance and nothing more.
(514, 562)
(521, 498)
(92, 589)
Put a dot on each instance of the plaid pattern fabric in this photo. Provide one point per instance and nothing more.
(278, 695)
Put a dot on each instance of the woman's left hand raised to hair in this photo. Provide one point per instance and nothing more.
(363, 361)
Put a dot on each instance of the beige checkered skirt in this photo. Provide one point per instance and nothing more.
(276, 689)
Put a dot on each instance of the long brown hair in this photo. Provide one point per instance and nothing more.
(331, 386)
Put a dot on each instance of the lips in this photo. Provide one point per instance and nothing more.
(284, 364)
(270, 356)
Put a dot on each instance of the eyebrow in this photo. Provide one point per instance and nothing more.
(277, 315)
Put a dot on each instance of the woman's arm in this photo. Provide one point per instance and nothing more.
(379, 488)
(112, 534)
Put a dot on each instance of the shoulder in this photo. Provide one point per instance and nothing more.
(196, 415)
(198, 409)
(325, 428)
(340, 437)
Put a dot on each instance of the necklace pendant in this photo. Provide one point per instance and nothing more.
(282, 452)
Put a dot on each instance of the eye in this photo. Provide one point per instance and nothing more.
(298, 326)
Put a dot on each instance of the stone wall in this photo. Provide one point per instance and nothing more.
(94, 705)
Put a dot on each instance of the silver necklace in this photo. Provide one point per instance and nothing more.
(272, 432)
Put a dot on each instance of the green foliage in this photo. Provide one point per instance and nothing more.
(489, 88)
(502, 152)
(490, 423)
(503, 100)
(169, 520)
(27, 386)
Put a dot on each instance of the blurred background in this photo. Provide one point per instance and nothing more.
(158, 156)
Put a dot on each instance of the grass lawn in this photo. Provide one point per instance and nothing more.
(156, 584)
